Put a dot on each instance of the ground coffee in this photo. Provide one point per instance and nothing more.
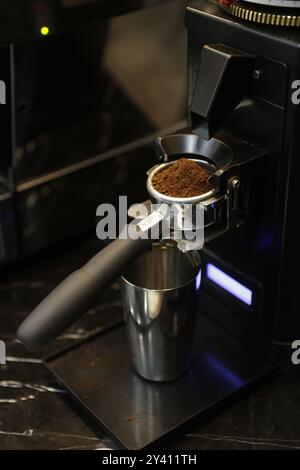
(184, 178)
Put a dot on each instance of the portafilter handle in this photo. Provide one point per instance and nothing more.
(77, 293)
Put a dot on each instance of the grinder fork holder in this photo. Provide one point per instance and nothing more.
(220, 205)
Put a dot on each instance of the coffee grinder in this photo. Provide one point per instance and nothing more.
(243, 72)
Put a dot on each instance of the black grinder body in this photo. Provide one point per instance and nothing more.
(261, 254)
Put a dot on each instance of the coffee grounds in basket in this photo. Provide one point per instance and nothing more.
(184, 178)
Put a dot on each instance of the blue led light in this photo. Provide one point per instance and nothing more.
(229, 284)
(225, 372)
(198, 280)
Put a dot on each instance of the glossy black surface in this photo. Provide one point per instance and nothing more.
(220, 367)
(35, 414)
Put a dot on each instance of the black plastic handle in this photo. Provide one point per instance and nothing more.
(76, 294)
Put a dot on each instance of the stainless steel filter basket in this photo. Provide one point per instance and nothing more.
(160, 293)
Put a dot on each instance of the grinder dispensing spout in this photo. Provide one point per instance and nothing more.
(223, 80)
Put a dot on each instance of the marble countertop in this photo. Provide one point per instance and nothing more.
(35, 413)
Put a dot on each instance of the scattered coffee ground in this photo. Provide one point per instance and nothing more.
(184, 178)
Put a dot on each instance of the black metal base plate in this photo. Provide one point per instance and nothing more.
(138, 413)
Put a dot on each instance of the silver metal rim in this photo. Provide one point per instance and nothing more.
(169, 289)
(162, 245)
(170, 199)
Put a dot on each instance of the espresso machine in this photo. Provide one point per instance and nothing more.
(243, 67)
